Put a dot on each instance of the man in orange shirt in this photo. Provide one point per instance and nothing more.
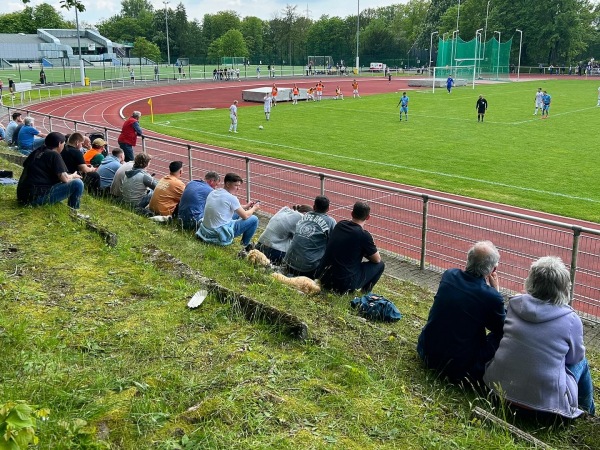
(94, 156)
(274, 95)
(168, 191)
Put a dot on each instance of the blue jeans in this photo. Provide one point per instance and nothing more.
(245, 228)
(37, 143)
(72, 190)
(585, 397)
(128, 150)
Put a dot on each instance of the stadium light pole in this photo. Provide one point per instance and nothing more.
(520, 47)
(81, 69)
(167, 26)
(431, 48)
(498, 63)
(453, 55)
(487, 14)
(357, 32)
(458, 14)
(477, 51)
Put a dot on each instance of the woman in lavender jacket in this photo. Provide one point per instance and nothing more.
(541, 362)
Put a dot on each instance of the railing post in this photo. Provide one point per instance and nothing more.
(574, 253)
(75, 125)
(247, 179)
(106, 137)
(190, 171)
(322, 178)
(424, 232)
(144, 145)
(50, 123)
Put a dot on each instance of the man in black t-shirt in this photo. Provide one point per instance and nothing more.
(342, 268)
(481, 107)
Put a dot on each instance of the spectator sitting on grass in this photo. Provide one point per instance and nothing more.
(468, 302)
(310, 239)
(219, 225)
(275, 241)
(109, 166)
(94, 156)
(342, 268)
(138, 184)
(541, 362)
(167, 192)
(29, 137)
(73, 158)
(44, 180)
(193, 200)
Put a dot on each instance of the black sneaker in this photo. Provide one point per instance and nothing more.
(249, 247)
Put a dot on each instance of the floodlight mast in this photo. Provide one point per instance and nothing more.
(520, 47)
(498, 63)
(357, 33)
(431, 48)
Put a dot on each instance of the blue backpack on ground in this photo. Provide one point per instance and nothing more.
(376, 307)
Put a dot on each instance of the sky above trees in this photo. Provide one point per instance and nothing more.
(97, 10)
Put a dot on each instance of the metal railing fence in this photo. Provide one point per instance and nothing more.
(430, 230)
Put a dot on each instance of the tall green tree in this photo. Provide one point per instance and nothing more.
(252, 30)
(216, 25)
(143, 48)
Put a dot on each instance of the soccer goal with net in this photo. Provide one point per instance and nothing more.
(462, 75)
(318, 63)
(232, 61)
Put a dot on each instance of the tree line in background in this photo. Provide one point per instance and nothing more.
(558, 32)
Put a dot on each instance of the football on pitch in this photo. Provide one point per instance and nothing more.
(260, 127)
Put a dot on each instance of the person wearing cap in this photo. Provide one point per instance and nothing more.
(168, 191)
(342, 268)
(45, 180)
(94, 155)
(129, 132)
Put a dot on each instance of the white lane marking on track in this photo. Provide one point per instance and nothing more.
(397, 166)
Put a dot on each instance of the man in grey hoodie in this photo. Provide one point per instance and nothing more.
(138, 184)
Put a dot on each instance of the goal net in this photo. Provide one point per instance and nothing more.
(232, 60)
(320, 61)
(463, 75)
(491, 57)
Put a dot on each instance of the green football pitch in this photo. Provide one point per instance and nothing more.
(514, 157)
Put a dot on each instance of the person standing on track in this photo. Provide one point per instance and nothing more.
(233, 116)
(296, 93)
(129, 132)
(481, 107)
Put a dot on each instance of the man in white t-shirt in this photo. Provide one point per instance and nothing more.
(268, 101)
(539, 100)
(233, 117)
(225, 218)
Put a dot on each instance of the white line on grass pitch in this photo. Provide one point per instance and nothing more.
(396, 166)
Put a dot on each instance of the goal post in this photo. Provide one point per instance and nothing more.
(233, 60)
(461, 72)
(320, 61)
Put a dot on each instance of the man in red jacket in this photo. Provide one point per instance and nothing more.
(129, 133)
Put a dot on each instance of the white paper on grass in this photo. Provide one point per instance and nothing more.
(197, 299)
